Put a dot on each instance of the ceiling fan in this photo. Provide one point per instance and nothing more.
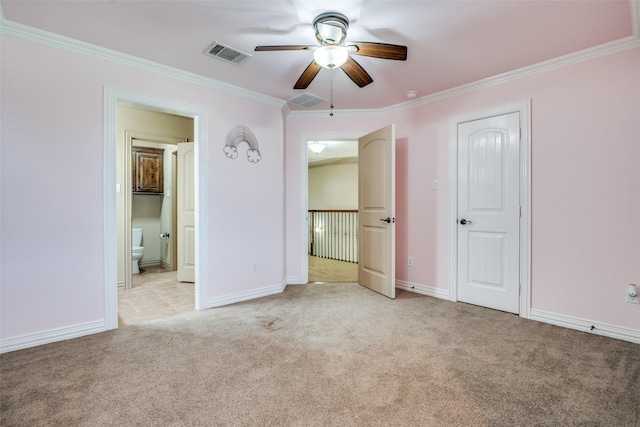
(334, 52)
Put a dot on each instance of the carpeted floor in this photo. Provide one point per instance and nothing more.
(329, 270)
(327, 355)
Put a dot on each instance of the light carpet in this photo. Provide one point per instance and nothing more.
(327, 355)
(330, 270)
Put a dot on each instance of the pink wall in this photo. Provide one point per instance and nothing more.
(52, 185)
(585, 199)
(585, 178)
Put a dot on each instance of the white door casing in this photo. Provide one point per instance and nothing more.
(186, 238)
(376, 211)
(524, 108)
(200, 115)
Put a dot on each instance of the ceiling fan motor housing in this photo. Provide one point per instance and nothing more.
(331, 28)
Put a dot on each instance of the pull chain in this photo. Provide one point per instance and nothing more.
(331, 111)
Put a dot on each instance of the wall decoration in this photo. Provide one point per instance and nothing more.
(238, 134)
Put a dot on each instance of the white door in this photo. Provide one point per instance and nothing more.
(489, 212)
(376, 209)
(186, 239)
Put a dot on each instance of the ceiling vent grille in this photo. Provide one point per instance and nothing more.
(227, 54)
(307, 100)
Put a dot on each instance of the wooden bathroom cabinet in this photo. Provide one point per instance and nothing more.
(148, 171)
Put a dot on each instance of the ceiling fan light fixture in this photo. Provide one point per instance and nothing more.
(317, 146)
(331, 56)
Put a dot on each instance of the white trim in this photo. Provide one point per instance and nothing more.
(87, 49)
(200, 118)
(611, 331)
(109, 213)
(423, 289)
(296, 280)
(52, 335)
(524, 108)
(304, 190)
(246, 295)
(55, 40)
(61, 42)
(574, 58)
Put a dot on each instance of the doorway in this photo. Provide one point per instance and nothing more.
(332, 200)
(490, 208)
(113, 187)
(152, 288)
(376, 201)
(151, 212)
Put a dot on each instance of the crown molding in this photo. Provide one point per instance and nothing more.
(611, 48)
(87, 49)
(36, 35)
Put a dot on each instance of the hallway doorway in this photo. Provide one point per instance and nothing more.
(332, 201)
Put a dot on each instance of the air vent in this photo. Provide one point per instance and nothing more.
(307, 100)
(226, 53)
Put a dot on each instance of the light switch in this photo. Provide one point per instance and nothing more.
(434, 185)
(118, 188)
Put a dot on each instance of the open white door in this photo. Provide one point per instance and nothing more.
(186, 239)
(489, 212)
(377, 209)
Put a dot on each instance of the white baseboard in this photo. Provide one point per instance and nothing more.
(296, 280)
(150, 263)
(52, 335)
(617, 332)
(423, 289)
(247, 295)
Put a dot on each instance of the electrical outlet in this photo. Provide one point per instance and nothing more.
(254, 266)
(633, 294)
(410, 261)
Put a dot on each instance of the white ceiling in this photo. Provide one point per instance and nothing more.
(450, 42)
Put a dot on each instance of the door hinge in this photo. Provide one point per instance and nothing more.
(520, 131)
(520, 212)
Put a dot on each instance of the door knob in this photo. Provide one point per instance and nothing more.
(464, 221)
(387, 220)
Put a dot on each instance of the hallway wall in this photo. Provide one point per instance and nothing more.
(333, 187)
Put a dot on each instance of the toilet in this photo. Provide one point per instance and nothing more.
(137, 251)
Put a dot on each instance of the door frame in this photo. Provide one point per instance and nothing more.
(524, 108)
(304, 192)
(199, 115)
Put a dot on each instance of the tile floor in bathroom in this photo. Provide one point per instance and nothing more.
(155, 294)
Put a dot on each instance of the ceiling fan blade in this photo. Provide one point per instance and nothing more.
(379, 50)
(356, 73)
(283, 47)
(307, 76)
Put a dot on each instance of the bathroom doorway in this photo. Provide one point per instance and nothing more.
(149, 194)
(113, 187)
